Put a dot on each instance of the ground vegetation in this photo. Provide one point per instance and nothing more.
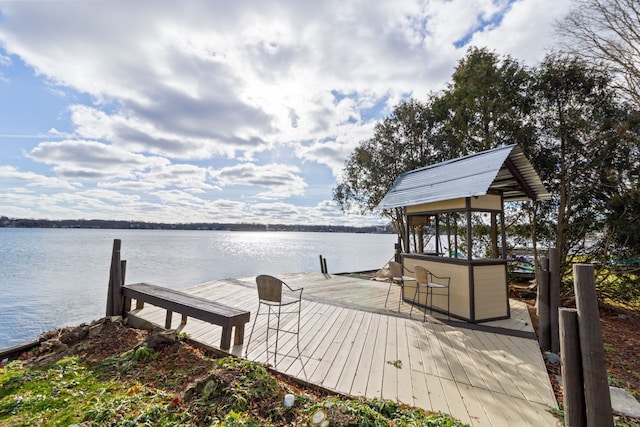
(108, 374)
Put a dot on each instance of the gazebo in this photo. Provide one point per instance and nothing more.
(448, 205)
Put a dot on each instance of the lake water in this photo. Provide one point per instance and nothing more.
(58, 277)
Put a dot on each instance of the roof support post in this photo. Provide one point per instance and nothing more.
(503, 231)
(472, 285)
(469, 228)
(437, 235)
(407, 227)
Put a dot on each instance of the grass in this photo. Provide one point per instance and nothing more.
(175, 386)
(69, 391)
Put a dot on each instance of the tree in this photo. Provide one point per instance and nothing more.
(582, 150)
(607, 31)
(489, 103)
(486, 105)
(618, 251)
(407, 139)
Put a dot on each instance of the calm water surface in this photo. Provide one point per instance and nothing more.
(58, 277)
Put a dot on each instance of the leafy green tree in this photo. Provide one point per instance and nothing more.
(407, 139)
(618, 249)
(486, 104)
(582, 145)
(489, 102)
(565, 114)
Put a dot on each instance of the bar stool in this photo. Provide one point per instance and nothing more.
(427, 281)
(280, 300)
(395, 276)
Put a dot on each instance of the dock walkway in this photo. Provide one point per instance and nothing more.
(485, 375)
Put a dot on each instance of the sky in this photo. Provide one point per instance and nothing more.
(222, 111)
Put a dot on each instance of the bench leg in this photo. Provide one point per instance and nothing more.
(184, 319)
(126, 305)
(225, 341)
(167, 322)
(238, 338)
(139, 304)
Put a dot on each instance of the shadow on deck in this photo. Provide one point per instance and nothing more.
(491, 374)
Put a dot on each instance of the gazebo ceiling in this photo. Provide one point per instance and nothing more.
(503, 169)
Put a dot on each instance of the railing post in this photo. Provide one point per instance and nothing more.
(572, 379)
(596, 387)
(544, 327)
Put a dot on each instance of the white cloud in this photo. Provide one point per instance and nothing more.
(282, 181)
(32, 179)
(91, 160)
(190, 103)
(525, 32)
(5, 60)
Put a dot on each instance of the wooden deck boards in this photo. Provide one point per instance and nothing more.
(351, 343)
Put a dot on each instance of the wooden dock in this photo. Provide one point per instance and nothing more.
(491, 374)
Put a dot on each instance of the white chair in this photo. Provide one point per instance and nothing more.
(428, 282)
(279, 299)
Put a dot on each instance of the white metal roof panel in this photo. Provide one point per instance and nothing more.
(473, 175)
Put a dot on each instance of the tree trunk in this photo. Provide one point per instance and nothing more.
(562, 205)
(533, 221)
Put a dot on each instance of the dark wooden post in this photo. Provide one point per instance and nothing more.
(544, 326)
(114, 295)
(554, 298)
(572, 379)
(323, 265)
(123, 270)
(126, 302)
(494, 235)
(596, 387)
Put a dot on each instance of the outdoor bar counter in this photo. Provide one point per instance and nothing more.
(478, 291)
(451, 219)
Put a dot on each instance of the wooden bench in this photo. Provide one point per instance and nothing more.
(189, 306)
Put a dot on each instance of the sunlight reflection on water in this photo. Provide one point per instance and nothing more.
(56, 277)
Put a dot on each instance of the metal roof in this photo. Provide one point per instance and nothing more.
(504, 169)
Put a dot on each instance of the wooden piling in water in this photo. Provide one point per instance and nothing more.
(323, 265)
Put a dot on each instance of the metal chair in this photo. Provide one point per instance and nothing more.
(427, 281)
(279, 300)
(395, 276)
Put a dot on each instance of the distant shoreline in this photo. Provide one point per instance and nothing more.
(140, 225)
